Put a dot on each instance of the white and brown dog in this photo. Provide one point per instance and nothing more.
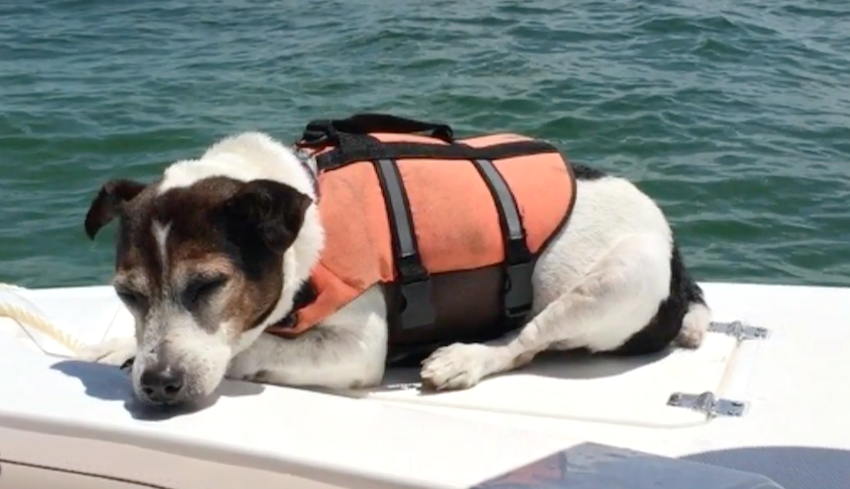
(211, 254)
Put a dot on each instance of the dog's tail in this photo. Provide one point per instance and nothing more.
(694, 326)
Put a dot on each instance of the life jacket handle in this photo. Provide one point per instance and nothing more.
(322, 132)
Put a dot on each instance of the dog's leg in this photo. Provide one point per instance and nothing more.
(347, 351)
(615, 298)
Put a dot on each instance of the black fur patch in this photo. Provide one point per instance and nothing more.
(665, 326)
(584, 172)
(128, 365)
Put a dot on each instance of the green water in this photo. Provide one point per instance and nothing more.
(735, 115)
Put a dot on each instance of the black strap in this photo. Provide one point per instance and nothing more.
(368, 123)
(354, 148)
(519, 264)
(417, 309)
(326, 131)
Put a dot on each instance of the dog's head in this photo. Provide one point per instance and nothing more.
(201, 268)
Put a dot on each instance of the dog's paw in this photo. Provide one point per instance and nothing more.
(115, 351)
(457, 366)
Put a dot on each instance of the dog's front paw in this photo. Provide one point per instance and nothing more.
(115, 351)
(457, 366)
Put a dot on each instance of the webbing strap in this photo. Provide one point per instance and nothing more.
(354, 148)
(417, 309)
(519, 264)
(368, 123)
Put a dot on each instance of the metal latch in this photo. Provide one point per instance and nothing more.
(707, 403)
(739, 330)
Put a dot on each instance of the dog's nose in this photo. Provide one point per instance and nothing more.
(161, 386)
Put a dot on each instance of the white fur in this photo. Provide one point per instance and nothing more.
(599, 282)
(160, 234)
(694, 326)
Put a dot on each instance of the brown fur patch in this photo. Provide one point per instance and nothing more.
(225, 240)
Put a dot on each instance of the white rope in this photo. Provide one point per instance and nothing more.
(27, 316)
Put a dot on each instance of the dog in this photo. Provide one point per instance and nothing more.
(217, 249)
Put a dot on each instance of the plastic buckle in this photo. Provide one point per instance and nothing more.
(519, 293)
(417, 309)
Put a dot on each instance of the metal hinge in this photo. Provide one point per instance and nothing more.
(739, 330)
(708, 404)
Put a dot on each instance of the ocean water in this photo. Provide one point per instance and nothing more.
(734, 115)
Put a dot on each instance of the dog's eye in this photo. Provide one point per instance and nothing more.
(131, 298)
(200, 288)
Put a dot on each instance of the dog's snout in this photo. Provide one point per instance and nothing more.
(162, 386)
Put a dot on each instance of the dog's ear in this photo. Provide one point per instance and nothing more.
(105, 206)
(274, 210)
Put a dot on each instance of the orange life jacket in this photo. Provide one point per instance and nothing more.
(410, 211)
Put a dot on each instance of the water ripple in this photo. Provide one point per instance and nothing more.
(734, 115)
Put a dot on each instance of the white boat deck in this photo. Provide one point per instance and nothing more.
(566, 423)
